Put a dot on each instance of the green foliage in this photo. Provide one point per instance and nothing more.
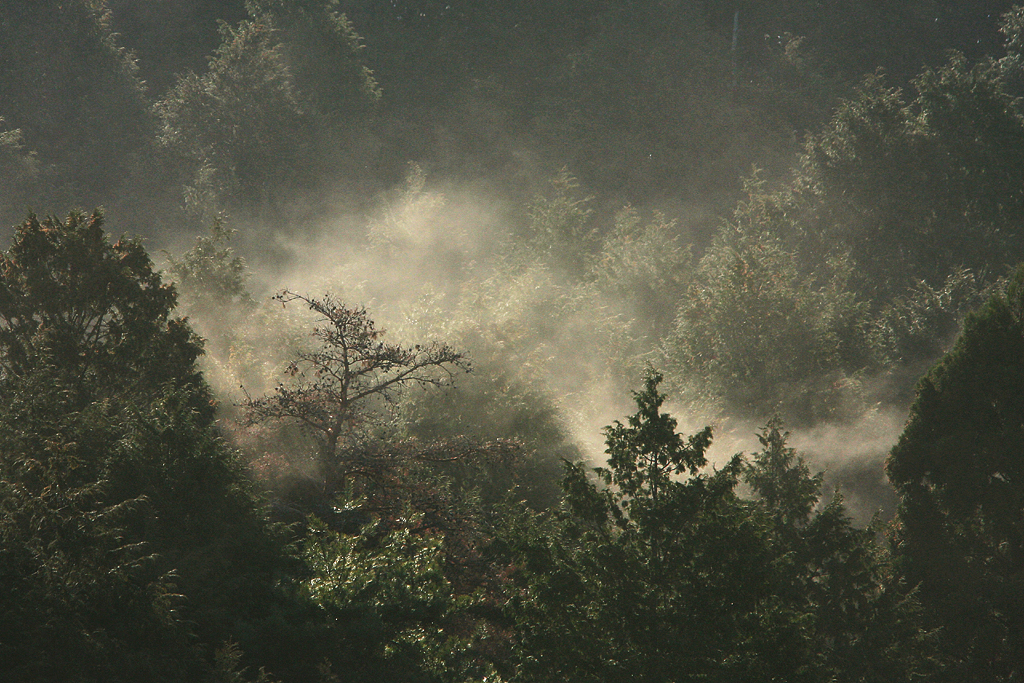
(239, 128)
(131, 543)
(957, 471)
(761, 336)
(928, 179)
(323, 52)
(395, 231)
(866, 260)
(677, 589)
(866, 622)
(131, 547)
(781, 479)
(248, 342)
(642, 101)
(254, 126)
(212, 281)
(228, 668)
(63, 80)
(396, 614)
(98, 311)
(351, 375)
(20, 166)
(920, 324)
(644, 269)
(169, 39)
(542, 351)
(129, 533)
(643, 456)
(675, 578)
(337, 412)
(493, 404)
(1012, 28)
(84, 600)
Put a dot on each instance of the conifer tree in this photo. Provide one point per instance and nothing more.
(130, 544)
(958, 469)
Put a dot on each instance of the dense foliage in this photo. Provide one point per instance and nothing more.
(791, 209)
(131, 544)
(669, 579)
(956, 468)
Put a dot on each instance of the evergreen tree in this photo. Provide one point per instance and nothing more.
(658, 578)
(96, 311)
(133, 546)
(63, 79)
(862, 620)
(957, 468)
(269, 115)
(666, 574)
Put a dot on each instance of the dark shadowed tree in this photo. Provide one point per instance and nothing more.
(96, 311)
(867, 623)
(661, 578)
(131, 544)
(958, 469)
(268, 116)
(925, 173)
(63, 79)
(665, 574)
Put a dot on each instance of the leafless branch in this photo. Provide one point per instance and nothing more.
(328, 390)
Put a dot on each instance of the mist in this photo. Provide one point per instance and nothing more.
(566, 218)
(461, 341)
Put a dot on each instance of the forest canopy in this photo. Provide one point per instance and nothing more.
(584, 340)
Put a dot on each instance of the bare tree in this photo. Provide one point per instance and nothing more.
(334, 388)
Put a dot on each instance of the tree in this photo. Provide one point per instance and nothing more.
(958, 471)
(923, 173)
(171, 39)
(781, 479)
(644, 455)
(63, 79)
(661, 578)
(758, 334)
(920, 324)
(210, 272)
(560, 228)
(340, 398)
(863, 621)
(394, 611)
(20, 166)
(393, 526)
(864, 261)
(665, 574)
(258, 124)
(132, 542)
(212, 282)
(82, 601)
(97, 311)
(323, 51)
(230, 126)
(644, 270)
(352, 373)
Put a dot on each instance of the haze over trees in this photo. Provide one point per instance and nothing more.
(368, 417)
